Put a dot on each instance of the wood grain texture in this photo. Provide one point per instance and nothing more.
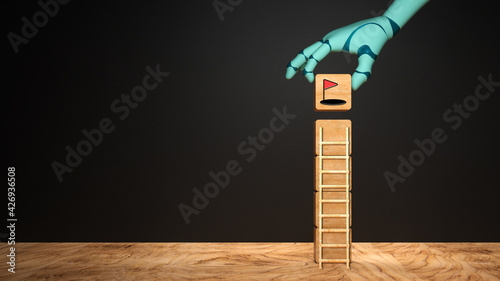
(332, 238)
(333, 130)
(332, 208)
(333, 179)
(250, 261)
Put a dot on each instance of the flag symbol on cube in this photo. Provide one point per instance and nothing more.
(327, 84)
(332, 92)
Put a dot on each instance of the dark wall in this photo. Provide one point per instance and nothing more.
(225, 78)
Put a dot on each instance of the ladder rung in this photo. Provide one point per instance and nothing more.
(333, 157)
(334, 200)
(332, 185)
(333, 171)
(333, 230)
(333, 215)
(332, 142)
(335, 245)
(333, 260)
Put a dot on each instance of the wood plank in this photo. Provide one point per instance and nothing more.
(250, 261)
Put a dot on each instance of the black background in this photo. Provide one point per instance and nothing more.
(225, 79)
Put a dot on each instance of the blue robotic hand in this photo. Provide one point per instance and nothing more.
(364, 38)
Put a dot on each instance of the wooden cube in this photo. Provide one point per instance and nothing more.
(332, 92)
(333, 208)
(332, 238)
(333, 131)
(333, 178)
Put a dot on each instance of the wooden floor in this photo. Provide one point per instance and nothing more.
(249, 261)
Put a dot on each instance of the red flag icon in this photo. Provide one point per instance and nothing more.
(327, 84)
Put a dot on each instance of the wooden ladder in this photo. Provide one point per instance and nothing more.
(347, 199)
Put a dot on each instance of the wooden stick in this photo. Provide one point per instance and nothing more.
(347, 211)
(320, 262)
